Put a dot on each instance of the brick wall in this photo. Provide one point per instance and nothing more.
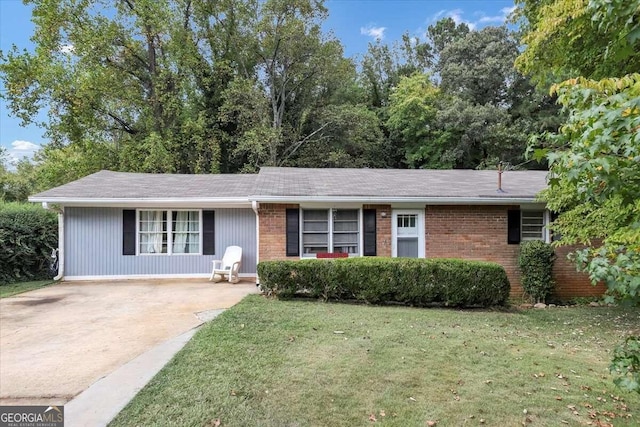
(469, 232)
(570, 283)
(472, 232)
(480, 233)
(273, 227)
(383, 229)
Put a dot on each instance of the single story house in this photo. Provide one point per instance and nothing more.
(116, 225)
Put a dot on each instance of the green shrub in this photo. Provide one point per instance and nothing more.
(28, 234)
(536, 265)
(375, 280)
(626, 364)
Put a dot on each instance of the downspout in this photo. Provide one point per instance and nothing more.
(60, 212)
(256, 206)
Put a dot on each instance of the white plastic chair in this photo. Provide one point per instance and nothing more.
(229, 265)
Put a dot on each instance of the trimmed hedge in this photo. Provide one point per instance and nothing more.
(418, 282)
(28, 234)
(535, 260)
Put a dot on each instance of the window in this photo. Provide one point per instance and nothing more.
(533, 225)
(186, 232)
(159, 235)
(330, 230)
(153, 232)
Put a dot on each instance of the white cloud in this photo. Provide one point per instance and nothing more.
(19, 150)
(456, 15)
(489, 19)
(375, 32)
(20, 145)
(438, 15)
(499, 19)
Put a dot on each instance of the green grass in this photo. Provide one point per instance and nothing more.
(273, 363)
(10, 289)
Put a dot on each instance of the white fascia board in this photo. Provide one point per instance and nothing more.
(391, 200)
(229, 202)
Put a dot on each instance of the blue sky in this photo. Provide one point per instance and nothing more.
(355, 22)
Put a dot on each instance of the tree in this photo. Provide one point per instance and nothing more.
(346, 135)
(412, 120)
(570, 38)
(489, 110)
(595, 178)
(140, 77)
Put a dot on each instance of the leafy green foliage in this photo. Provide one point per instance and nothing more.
(626, 364)
(535, 259)
(570, 38)
(28, 234)
(596, 180)
(417, 282)
(412, 113)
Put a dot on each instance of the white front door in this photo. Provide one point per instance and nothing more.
(407, 233)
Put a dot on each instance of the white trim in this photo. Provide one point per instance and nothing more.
(420, 225)
(372, 200)
(256, 209)
(547, 220)
(170, 232)
(169, 202)
(148, 276)
(245, 202)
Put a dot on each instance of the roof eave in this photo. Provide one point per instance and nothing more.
(504, 200)
(165, 202)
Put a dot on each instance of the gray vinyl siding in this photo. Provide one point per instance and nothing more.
(93, 245)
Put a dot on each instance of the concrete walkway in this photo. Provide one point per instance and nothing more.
(100, 403)
(57, 341)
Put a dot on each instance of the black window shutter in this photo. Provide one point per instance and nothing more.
(369, 229)
(513, 220)
(208, 232)
(128, 232)
(293, 232)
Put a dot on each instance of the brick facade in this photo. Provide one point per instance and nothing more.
(273, 223)
(469, 232)
(480, 233)
(570, 283)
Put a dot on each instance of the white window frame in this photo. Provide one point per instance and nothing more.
(546, 218)
(420, 226)
(169, 232)
(330, 230)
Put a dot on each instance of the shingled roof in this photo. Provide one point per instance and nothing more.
(125, 185)
(394, 183)
(301, 183)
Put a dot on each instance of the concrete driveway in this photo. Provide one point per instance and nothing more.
(57, 341)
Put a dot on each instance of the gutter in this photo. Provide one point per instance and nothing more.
(489, 200)
(143, 202)
(256, 206)
(60, 212)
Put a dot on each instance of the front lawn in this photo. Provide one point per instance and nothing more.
(11, 289)
(273, 363)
